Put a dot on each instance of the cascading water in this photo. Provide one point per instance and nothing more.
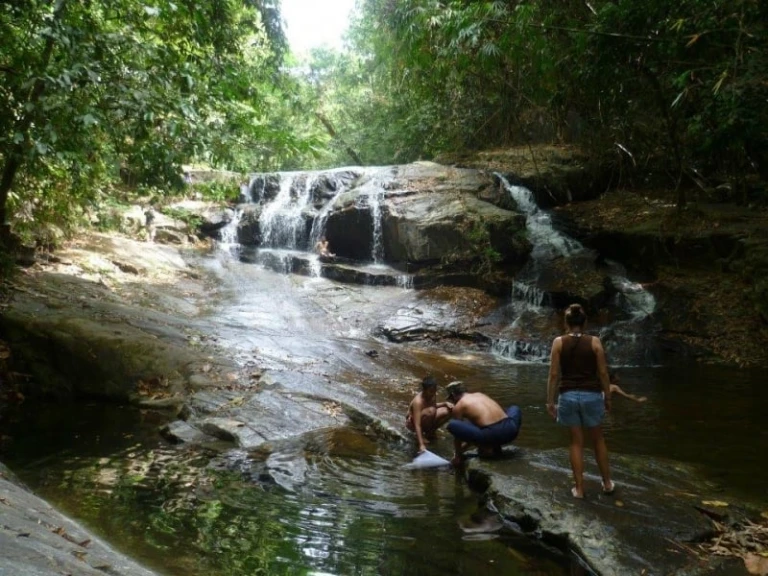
(228, 239)
(318, 225)
(282, 220)
(549, 247)
(377, 252)
(287, 213)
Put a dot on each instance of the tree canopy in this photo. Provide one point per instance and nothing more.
(94, 90)
(679, 85)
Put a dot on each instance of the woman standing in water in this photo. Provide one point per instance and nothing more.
(578, 373)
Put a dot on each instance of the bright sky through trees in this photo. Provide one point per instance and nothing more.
(312, 23)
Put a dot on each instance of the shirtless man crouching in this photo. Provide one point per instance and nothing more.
(479, 421)
(425, 415)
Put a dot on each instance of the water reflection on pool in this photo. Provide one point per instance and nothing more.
(343, 504)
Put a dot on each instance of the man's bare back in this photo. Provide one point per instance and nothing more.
(478, 409)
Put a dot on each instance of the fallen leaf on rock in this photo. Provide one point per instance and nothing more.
(715, 503)
(756, 564)
(619, 503)
(4, 501)
(333, 409)
(206, 368)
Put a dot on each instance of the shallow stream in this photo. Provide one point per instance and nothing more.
(350, 508)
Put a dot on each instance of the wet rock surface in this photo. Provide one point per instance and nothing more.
(108, 305)
(646, 527)
(36, 540)
(705, 265)
(555, 174)
(248, 421)
(439, 314)
(420, 216)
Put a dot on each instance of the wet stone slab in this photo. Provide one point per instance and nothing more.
(36, 540)
(646, 527)
(250, 420)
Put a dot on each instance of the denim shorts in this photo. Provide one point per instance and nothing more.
(580, 408)
(497, 434)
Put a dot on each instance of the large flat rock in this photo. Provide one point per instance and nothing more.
(36, 540)
(642, 528)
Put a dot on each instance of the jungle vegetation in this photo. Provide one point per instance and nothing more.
(98, 94)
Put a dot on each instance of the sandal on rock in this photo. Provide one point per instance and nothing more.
(608, 490)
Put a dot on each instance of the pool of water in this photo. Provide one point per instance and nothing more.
(709, 417)
(191, 512)
(339, 501)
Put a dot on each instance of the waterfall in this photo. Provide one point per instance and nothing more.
(550, 246)
(318, 226)
(547, 242)
(256, 192)
(282, 221)
(374, 199)
(228, 234)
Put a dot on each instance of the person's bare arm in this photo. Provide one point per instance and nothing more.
(416, 415)
(554, 375)
(458, 445)
(617, 389)
(602, 371)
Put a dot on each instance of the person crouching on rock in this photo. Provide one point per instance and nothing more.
(425, 415)
(478, 420)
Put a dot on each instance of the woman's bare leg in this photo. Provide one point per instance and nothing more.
(601, 454)
(576, 453)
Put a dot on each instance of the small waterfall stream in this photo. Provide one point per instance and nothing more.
(282, 221)
(377, 251)
(293, 210)
(633, 303)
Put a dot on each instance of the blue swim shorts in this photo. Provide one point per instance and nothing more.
(502, 432)
(580, 408)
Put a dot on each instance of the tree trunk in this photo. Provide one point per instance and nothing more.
(15, 156)
(332, 131)
(671, 126)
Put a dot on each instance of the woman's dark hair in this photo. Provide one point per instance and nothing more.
(428, 382)
(575, 315)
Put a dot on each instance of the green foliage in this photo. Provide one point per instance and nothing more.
(190, 219)
(93, 90)
(480, 238)
(673, 85)
(216, 191)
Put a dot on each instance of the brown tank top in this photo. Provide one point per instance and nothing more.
(578, 364)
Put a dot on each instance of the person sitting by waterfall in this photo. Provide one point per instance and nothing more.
(425, 415)
(578, 374)
(322, 249)
(615, 388)
(149, 222)
(480, 421)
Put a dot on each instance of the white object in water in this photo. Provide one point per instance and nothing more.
(426, 459)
